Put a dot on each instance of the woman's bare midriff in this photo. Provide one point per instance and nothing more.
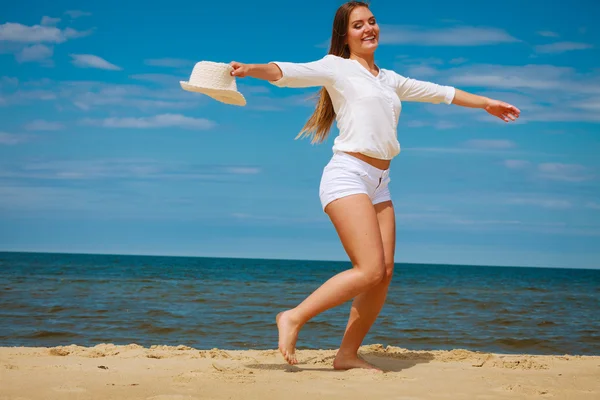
(376, 162)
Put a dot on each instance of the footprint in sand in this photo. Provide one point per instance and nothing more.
(393, 376)
(528, 390)
(69, 389)
(187, 377)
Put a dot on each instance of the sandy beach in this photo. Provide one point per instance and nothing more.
(132, 372)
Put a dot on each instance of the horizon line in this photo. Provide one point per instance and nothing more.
(284, 259)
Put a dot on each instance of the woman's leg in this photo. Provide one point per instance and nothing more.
(367, 305)
(356, 223)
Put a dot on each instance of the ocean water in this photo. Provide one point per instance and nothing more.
(61, 299)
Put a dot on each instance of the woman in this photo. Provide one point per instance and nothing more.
(366, 102)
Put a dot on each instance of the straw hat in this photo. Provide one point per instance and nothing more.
(214, 80)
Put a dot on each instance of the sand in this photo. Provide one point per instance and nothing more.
(134, 372)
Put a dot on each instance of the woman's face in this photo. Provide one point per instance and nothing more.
(363, 31)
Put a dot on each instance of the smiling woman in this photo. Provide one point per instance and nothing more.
(365, 101)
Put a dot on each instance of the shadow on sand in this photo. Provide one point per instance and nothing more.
(387, 362)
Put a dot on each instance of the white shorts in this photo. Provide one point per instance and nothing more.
(345, 175)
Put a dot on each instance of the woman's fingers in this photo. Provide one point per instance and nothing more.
(237, 68)
(504, 111)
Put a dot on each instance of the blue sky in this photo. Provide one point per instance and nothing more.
(101, 151)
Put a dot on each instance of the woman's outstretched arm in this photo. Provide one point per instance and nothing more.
(268, 72)
(290, 74)
(497, 108)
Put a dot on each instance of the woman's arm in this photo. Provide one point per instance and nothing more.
(289, 74)
(500, 109)
(268, 72)
(409, 89)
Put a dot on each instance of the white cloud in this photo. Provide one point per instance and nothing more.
(541, 202)
(561, 47)
(455, 36)
(564, 172)
(158, 121)
(474, 146)
(403, 59)
(490, 144)
(456, 222)
(458, 60)
(73, 34)
(539, 77)
(12, 139)
(93, 95)
(452, 219)
(547, 34)
(89, 95)
(421, 71)
(416, 124)
(516, 164)
(454, 150)
(552, 171)
(49, 20)
(133, 168)
(164, 79)
(9, 81)
(563, 116)
(532, 76)
(15, 32)
(169, 62)
(438, 124)
(567, 95)
(270, 218)
(36, 53)
(77, 13)
(445, 125)
(37, 82)
(25, 96)
(592, 104)
(92, 61)
(41, 125)
(593, 205)
(243, 170)
(88, 101)
(252, 89)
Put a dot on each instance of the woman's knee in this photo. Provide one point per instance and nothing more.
(389, 271)
(373, 273)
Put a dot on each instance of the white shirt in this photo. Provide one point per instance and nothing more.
(367, 107)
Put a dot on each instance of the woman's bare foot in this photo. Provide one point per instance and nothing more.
(288, 335)
(345, 362)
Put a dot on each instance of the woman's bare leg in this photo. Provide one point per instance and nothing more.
(356, 223)
(367, 305)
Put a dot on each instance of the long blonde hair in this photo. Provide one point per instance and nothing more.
(319, 124)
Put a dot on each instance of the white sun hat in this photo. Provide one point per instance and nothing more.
(214, 79)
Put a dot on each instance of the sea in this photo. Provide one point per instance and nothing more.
(51, 299)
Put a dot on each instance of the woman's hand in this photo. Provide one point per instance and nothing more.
(502, 110)
(240, 70)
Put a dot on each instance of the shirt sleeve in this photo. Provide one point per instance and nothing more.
(300, 75)
(409, 89)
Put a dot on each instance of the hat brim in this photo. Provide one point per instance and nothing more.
(224, 96)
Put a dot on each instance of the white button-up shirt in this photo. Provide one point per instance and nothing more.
(367, 107)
